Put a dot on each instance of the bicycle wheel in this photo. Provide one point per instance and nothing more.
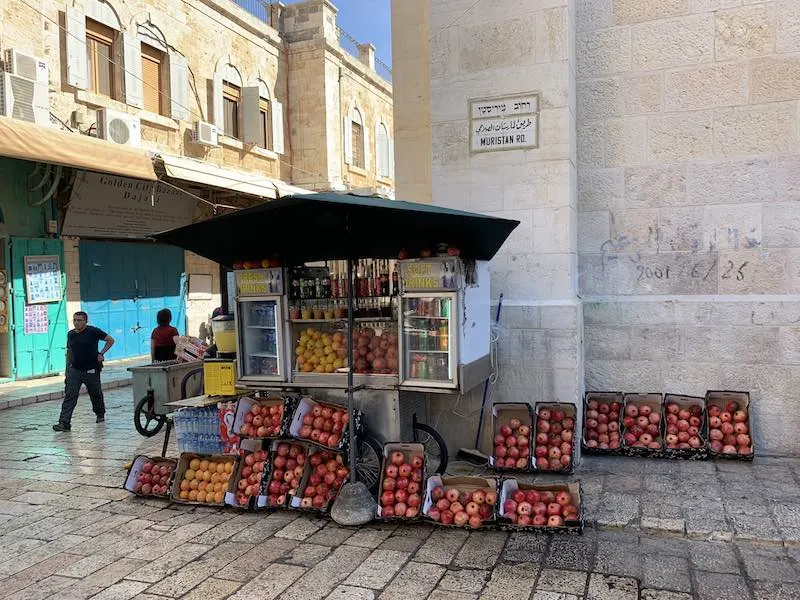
(368, 463)
(435, 449)
(147, 423)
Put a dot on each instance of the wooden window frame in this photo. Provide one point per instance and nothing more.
(97, 33)
(232, 93)
(265, 122)
(359, 147)
(155, 55)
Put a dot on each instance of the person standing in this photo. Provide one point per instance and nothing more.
(162, 340)
(84, 363)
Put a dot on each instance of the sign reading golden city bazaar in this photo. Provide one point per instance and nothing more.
(504, 123)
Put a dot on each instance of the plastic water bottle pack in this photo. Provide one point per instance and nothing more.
(197, 430)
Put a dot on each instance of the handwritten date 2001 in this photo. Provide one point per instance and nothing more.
(652, 272)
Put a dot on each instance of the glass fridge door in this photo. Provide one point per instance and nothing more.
(259, 338)
(429, 341)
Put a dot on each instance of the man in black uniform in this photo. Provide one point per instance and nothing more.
(83, 368)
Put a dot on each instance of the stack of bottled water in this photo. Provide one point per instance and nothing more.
(197, 430)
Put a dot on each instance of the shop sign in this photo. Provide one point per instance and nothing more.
(422, 275)
(504, 123)
(110, 206)
(36, 320)
(42, 279)
(259, 282)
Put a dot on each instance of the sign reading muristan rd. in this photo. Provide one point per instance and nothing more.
(504, 123)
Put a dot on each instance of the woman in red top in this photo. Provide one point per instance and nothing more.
(162, 344)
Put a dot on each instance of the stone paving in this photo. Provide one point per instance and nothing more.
(656, 530)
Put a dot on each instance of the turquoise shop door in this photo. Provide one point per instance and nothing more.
(37, 354)
(124, 285)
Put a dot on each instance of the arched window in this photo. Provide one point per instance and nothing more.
(227, 97)
(93, 38)
(355, 140)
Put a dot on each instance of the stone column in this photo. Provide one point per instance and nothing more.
(514, 49)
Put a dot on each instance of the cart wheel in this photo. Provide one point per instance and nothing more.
(368, 463)
(435, 449)
(147, 423)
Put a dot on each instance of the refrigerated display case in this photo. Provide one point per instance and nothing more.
(429, 350)
(444, 323)
(259, 313)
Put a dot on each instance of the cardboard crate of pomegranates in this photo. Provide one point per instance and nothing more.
(323, 477)
(286, 468)
(402, 483)
(249, 476)
(203, 479)
(602, 423)
(730, 432)
(641, 425)
(263, 418)
(150, 476)
(324, 424)
(553, 451)
(512, 423)
(684, 427)
(553, 508)
(461, 501)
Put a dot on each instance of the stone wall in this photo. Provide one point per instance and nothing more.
(512, 48)
(689, 228)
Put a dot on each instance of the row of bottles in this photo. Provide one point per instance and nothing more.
(374, 278)
(376, 307)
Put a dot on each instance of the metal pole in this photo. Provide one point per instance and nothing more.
(350, 364)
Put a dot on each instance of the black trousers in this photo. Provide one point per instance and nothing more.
(74, 380)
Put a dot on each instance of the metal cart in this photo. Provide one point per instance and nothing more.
(155, 386)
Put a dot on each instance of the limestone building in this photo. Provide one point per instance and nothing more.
(229, 106)
(660, 229)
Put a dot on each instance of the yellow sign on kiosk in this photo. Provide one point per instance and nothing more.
(219, 377)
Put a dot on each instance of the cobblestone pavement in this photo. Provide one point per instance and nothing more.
(657, 530)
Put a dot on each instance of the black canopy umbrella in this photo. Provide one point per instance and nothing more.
(330, 226)
(311, 227)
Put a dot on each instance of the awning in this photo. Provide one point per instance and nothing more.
(28, 141)
(328, 226)
(201, 172)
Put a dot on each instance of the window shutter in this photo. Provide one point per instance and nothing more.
(216, 103)
(391, 159)
(179, 87)
(77, 68)
(132, 63)
(348, 139)
(251, 120)
(378, 152)
(277, 127)
(365, 145)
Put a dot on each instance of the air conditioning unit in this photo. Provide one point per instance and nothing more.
(26, 65)
(119, 127)
(205, 134)
(24, 99)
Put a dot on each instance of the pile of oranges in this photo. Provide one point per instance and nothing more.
(206, 480)
(319, 352)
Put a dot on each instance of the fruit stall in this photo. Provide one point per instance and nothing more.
(344, 335)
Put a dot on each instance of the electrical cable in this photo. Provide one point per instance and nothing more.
(454, 21)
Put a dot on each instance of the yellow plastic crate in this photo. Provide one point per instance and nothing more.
(219, 377)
